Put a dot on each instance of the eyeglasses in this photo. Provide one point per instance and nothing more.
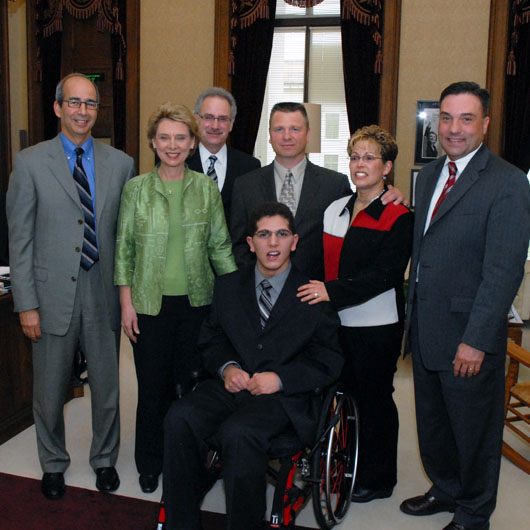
(209, 118)
(283, 233)
(365, 158)
(75, 103)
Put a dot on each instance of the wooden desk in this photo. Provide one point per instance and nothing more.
(16, 376)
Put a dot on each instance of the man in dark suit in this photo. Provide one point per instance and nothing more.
(470, 243)
(267, 353)
(215, 110)
(306, 188)
(62, 208)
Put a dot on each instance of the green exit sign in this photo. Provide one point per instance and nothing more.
(95, 78)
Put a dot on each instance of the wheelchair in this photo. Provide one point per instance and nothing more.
(325, 472)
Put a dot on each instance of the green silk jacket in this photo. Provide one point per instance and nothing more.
(143, 226)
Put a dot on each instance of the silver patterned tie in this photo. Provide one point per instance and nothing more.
(265, 302)
(211, 170)
(287, 193)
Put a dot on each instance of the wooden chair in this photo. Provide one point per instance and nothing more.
(517, 404)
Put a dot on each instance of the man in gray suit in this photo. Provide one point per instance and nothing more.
(471, 232)
(62, 208)
(307, 189)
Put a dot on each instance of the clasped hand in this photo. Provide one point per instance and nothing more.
(260, 383)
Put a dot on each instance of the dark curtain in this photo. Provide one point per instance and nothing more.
(252, 53)
(360, 64)
(51, 74)
(517, 111)
(117, 42)
(50, 53)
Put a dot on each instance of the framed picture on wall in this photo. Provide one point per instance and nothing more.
(413, 177)
(427, 146)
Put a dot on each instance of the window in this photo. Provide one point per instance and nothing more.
(306, 65)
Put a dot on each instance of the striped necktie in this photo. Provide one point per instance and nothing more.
(211, 170)
(450, 182)
(265, 302)
(89, 254)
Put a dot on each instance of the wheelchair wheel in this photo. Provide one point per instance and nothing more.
(334, 464)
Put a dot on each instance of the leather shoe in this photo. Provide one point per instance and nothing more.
(148, 483)
(361, 494)
(455, 526)
(107, 479)
(52, 485)
(425, 505)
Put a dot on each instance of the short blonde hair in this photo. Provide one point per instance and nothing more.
(378, 135)
(175, 112)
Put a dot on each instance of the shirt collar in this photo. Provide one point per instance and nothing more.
(70, 147)
(205, 155)
(276, 281)
(297, 171)
(461, 163)
(374, 209)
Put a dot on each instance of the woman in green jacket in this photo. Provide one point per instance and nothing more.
(171, 231)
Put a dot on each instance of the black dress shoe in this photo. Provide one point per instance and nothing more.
(456, 526)
(361, 494)
(107, 479)
(52, 485)
(148, 483)
(425, 505)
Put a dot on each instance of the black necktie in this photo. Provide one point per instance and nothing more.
(89, 254)
(265, 302)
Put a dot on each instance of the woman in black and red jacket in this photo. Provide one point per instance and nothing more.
(367, 246)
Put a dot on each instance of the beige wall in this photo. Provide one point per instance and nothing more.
(441, 42)
(18, 86)
(176, 57)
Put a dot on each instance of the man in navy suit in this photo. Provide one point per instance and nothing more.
(267, 353)
(470, 243)
(215, 110)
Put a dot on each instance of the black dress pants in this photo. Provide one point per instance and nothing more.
(368, 375)
(164, 355)
(244, 426)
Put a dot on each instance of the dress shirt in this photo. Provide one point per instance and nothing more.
(298, 172)
(461, 164)
(220, 163)
(88, 164)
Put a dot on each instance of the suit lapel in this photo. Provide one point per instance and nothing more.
(102, 175)
(285, 302)
(423, 202)
(249, 303)
(194, 162)
(310, 188)
(268, 187)
(60, 169)
(463, 183)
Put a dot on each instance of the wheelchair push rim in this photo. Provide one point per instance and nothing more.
(336, 459)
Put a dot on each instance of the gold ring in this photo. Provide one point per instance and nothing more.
(316, 295)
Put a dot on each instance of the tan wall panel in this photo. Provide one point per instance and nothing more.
(441, 42)
(176, 57)
(18, 86)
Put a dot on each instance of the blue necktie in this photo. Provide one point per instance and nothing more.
(89, 254)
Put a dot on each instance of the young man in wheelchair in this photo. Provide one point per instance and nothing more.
(267, 352)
